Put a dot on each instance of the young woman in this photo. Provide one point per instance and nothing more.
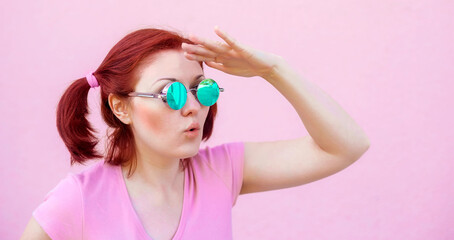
(154, 182)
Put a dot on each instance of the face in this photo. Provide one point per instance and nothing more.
(157, 127)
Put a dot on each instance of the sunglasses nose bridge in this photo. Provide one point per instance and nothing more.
(193, 92)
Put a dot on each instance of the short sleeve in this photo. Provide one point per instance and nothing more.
(228, 161)
(61, 212)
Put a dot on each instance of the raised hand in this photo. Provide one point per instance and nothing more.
(231, 57)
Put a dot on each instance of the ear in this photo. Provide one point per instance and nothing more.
(120, 108)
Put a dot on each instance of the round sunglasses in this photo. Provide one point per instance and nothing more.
(175, 93)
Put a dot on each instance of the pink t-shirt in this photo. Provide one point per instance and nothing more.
(95, 204)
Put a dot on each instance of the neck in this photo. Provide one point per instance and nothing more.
(161, 175)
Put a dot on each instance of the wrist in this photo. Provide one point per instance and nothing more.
(276, 70)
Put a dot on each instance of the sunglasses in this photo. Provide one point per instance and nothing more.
(175, 93)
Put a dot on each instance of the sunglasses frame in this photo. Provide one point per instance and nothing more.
(163, 94)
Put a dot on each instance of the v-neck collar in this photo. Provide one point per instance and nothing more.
(138, 223)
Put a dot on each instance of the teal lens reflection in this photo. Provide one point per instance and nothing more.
(208, 92)
(176, 95)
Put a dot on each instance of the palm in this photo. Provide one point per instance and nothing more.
(232, 58)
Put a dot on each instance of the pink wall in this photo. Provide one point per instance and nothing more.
(388, 63)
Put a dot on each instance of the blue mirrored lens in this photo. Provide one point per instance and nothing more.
(176, 95)
(207, 94)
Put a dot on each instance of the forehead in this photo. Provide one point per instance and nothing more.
(168, 64)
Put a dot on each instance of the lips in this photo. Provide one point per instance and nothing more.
(193, 126)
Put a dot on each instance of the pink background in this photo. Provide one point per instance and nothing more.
(389, 64)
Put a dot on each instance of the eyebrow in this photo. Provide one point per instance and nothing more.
(174, 79)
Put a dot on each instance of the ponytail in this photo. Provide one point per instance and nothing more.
(72, 124)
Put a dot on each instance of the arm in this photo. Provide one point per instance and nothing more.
(332, 129)
(34, 231)
(335, 141)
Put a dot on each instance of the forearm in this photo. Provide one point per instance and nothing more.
(327, 123)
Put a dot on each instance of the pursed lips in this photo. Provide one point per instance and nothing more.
(192, 127)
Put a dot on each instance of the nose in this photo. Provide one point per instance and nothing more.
(192, 104)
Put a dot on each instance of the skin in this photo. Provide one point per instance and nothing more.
(327, 150)
(158, 129)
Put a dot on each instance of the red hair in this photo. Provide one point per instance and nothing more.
(117, 74)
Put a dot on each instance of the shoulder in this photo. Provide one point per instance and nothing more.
(61, 212)
(223, 153)
(95, 173)
(226, 162)
(98, 180)
(68, 187)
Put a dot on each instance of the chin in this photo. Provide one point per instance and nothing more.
(192, 150)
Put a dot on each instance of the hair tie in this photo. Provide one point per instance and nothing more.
(91, 79)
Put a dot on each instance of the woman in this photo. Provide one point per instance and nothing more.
(155, 182)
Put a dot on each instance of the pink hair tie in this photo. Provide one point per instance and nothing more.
(91, 79)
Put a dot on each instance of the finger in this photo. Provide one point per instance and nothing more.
(198, 50)
(214, 46)
(217, 66)
(229, 40)
(198, 57)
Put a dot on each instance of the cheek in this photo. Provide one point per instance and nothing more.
(150, 118)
